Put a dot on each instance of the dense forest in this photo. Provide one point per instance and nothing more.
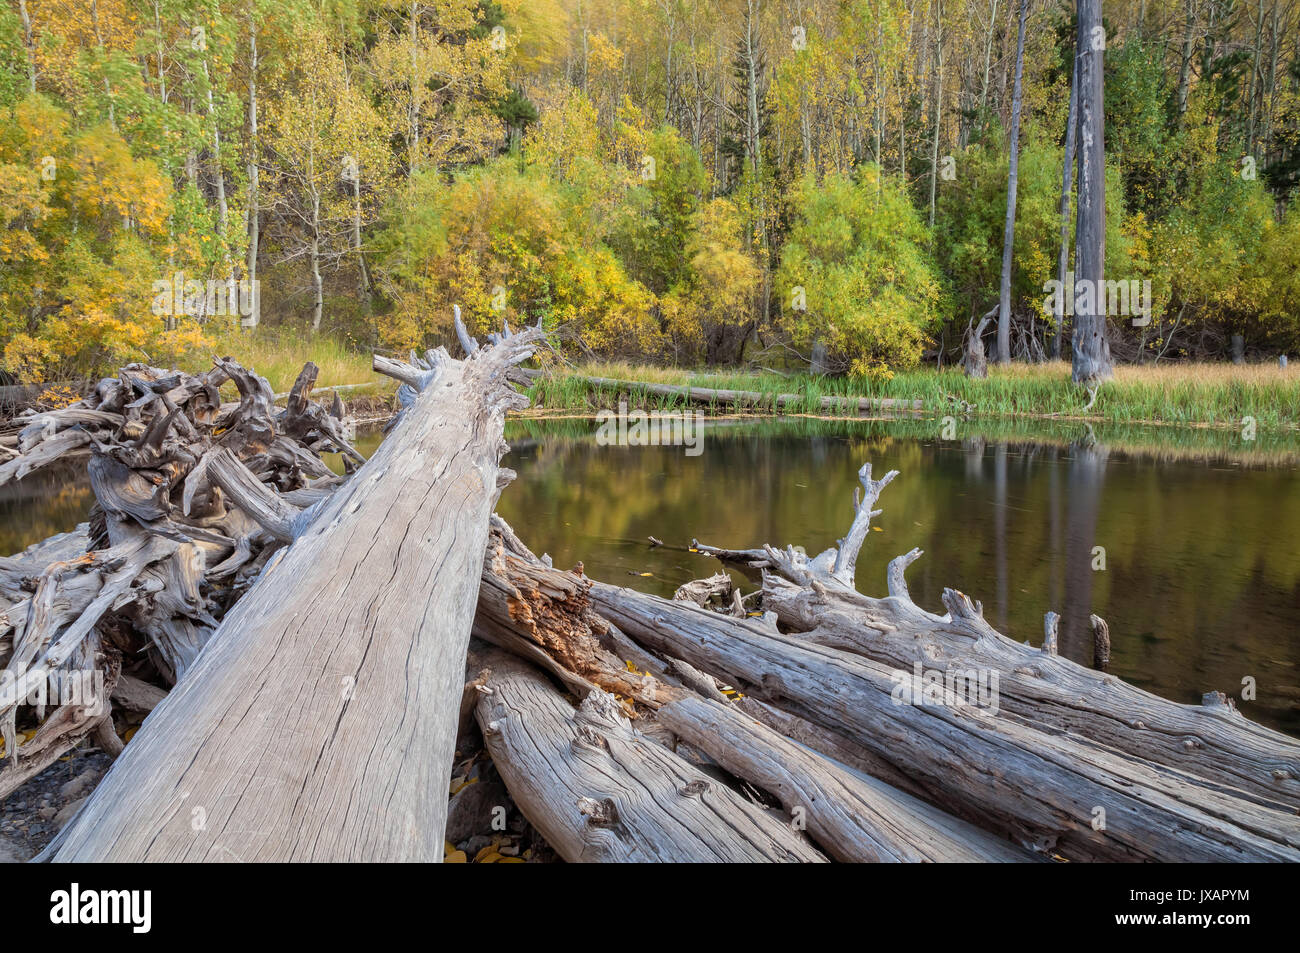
(678, 181)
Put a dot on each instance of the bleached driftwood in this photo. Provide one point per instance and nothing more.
(344, 663)
(599, 791)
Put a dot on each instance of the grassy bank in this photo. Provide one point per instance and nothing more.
(1198, 395)
(279, 356)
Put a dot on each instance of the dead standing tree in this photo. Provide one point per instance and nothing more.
(1009, 232)
(1090, 342)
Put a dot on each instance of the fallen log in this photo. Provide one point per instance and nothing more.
(851, 818)
(319, 721)
(599, 791)
(545, 616)
(709, 395)
(1040, 788)
(1213, 743)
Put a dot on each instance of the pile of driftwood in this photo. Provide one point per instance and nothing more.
(193, 497)
(802, 722)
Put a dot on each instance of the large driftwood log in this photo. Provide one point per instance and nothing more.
(1042, 788)
(598, 790)
(319, 722)
(1213, 744)
(544, 616)
(854, 819)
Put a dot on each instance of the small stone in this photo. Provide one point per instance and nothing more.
(471, 811)
(78, 785)
(69, 811)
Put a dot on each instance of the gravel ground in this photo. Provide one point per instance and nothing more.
(33, 814)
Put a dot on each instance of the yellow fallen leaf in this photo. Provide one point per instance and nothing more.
(645, 574)
(489, 849)
(492, 858)
(876, 529)
(511, 860)
(130, 733)
(448, 848)
(455, 857)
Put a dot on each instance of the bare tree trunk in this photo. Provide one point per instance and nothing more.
(1185, 60)
(1067, 184)
(254, 223)
(1090, 341)
(363, 272)
(28, 48)
(317, 283)
(1013, 170)
(938, 107)
(413, 113)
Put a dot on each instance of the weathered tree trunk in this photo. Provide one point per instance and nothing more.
(855, 819)
(598, 790)
(1212, 743)
(544, 616)
(1067, 186)
(1090, 342)
(1038, 787)
(1013, 171)
(973, 359)
(254, 223)
(319, 723)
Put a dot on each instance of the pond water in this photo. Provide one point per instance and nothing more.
(1198, 571)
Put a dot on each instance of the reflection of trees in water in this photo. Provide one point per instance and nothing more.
(1085, 475)
(40, 506)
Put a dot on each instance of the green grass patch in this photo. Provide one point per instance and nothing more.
(1194, 395)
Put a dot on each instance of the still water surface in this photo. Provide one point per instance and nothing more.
(1201, 577)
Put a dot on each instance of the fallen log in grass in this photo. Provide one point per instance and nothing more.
(751, 398)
